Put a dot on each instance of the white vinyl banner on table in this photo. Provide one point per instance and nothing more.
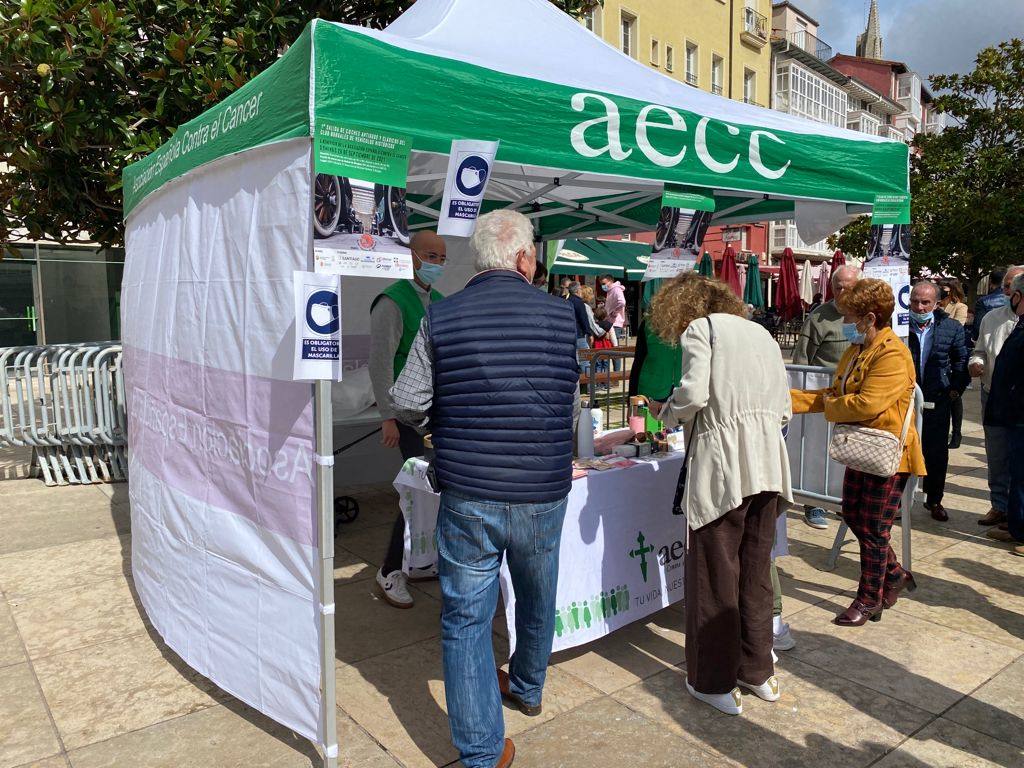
(220, 438)
(469, 169)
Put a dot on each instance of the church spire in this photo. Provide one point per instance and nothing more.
(869, 44)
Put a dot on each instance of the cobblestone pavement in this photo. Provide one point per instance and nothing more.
(85, 682)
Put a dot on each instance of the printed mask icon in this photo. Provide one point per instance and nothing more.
(321, 314)
(472, 177)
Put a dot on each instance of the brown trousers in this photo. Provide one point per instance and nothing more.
(729, 597)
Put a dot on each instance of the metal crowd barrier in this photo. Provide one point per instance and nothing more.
(607, 388)
(66, 402)
(810, 481)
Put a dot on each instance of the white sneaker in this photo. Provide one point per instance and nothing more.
(423, 574)
(730, 703)
(784, 640)
(768, 690)
(394, 589)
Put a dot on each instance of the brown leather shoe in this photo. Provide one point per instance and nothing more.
(859, 614)
(508, 754)
(999, 535)
(993, 517)
(504, 685)
(892, 592)
(939, 513)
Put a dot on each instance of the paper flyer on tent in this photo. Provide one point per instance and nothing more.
(888, 258)
(469, 170)
(677, 242)
(317, 326)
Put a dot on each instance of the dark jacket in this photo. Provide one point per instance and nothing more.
(505, 376)
(579, 309)
(986, 304)
(946, 368)
(1005, 404)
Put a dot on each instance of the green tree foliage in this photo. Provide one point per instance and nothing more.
(88, 87)
(852, 239)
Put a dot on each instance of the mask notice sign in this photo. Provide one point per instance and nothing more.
(317, 327)
(469, 169)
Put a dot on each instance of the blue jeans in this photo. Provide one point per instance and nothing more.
(997, 452)
(472, 536)
(1015, 499)
(581, 343)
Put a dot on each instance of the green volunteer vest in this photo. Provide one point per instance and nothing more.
(662, 368)
(404, 294)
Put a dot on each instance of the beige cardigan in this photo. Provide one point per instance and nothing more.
(739, 393)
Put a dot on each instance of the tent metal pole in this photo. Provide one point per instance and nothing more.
(325, 544)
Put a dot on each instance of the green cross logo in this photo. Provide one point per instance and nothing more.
(641, 552)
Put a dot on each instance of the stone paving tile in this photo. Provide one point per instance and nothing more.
(12, 650)
(368, 626)
(51, 569)
(105, 690)
(821, 720)
(603, 732)
(943, 744)
(230, 736)
(46, 522)
(924, 664)
(57, 761)
(378, 505)
(26, 732)
(56, 622)
(348, 568)
(634, 653)
(997, 708)
(368, 543)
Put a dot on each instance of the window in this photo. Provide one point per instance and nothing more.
(691, 63)
(749, 86)
(655, 53)
(669, 58)
(717, 73)
(592, 20)
(799, 91)
(628, 34)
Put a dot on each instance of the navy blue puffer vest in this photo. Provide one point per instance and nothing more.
(505, 374)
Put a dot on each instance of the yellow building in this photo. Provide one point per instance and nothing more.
(717, 45)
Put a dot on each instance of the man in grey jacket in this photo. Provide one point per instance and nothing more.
(822, 343)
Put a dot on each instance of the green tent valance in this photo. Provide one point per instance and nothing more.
(620, 258)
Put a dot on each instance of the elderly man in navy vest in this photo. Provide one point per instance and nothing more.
(938, 346)
(492, 375)
(395, 318)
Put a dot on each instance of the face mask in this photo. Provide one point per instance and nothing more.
(429, 273)
(922, 317)
(606, 287)
(852, 334)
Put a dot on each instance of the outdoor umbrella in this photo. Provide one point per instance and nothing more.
(706, 266)
(752, 292)
(822, 280)
(787, 300)
(806, 284)
(838, 260)
(729, 275)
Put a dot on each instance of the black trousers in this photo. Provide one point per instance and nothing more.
(410, 444)
(935, 446)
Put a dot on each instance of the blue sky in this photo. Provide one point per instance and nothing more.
(931, 36)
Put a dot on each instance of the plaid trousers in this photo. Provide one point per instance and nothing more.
(870, 505)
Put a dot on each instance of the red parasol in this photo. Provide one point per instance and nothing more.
(787, 300)
(838, 260)
(729, 274)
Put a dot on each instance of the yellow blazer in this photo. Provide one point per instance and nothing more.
(879, 389)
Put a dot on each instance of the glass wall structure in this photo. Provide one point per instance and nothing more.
(799, 91)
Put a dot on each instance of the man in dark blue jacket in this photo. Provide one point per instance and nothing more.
(492, 373)
(994, 299)
(940, 354)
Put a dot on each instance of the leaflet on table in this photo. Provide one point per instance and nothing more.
(677, 241)
(360, 224)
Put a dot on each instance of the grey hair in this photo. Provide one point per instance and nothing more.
(573, 287)
(1018, 283)
(499, 237)
(838, 273)
(934, 287)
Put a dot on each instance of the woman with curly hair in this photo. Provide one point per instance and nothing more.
(734, 399)
(873, 387)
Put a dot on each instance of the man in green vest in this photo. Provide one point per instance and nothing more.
(395, 318)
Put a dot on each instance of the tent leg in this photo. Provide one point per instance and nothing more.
(325, 545)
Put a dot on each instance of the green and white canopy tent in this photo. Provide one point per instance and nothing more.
(231, 472)
(621, 259)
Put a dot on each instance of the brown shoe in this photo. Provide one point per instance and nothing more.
(993, 517)
(504, 685)
(891, 593)
(859, 614)
(939, 513)
(999, 535)
(508, 754)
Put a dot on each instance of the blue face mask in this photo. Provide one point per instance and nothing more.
(852, 334)
(922, 317)
(429, 273)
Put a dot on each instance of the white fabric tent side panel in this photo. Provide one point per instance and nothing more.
(221, 483)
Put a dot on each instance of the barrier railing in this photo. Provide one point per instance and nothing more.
(67, 403)
(815, 476)
(607, 388)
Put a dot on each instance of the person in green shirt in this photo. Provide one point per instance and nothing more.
(395, 317)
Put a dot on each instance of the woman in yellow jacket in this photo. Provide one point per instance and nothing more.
(878, 390)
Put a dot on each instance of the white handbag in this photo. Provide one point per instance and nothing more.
(873, 451)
